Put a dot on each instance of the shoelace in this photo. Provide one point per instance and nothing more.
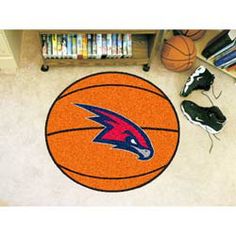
(209, 135)
(212, 143)
(213, 93)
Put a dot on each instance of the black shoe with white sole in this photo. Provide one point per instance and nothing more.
(209, 118)
(202, 78)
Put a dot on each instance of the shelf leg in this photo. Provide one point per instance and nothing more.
(44, 68)
(146, 67)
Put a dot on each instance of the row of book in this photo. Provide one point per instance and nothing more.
(86, 46)
(222, 50)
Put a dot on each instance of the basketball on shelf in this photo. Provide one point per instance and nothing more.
(178, 53)
(193, 34)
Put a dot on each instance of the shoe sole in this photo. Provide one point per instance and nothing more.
(206, 127)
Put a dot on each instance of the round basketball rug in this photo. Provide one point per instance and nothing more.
(112, 131)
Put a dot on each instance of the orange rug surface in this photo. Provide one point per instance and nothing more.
(112, 131)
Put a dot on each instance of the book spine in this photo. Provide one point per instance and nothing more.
(99, 46)
(69, 46)
(129, 45)
(44, 45)
(85, 50)
(114, 45)
(224, 49)
(119, 46)
(225, 59)
(59, 46)
(64, 46)
(109, 46)
(79, 46)
(89, 39)
(94, 53)
(54, 45)
(217, 45)
(125, 46)
(49, 46)
(227, 64)
(104, 46)
(74, 46)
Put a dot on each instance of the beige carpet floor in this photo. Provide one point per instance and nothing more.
(28, 176)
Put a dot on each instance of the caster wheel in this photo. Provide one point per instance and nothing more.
(44, 68)
(146, 67)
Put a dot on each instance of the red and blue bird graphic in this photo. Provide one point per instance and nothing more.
(120, 132)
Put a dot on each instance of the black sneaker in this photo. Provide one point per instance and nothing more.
(209, 118)
(200, 79)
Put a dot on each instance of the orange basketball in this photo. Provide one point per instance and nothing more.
(193, 34)
(178, 53)
(112, 131)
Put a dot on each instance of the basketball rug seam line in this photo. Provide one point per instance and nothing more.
(101, 127)
(112, 190)
(177, 49)
(111, 85)
(113, 178)
(107, 72)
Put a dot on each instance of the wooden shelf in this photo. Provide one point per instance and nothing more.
(145, 44)
(200, 45)
(101, 31)
(95, 62)
(140, 56)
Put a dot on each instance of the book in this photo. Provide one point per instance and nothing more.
(125, 46)
(59, 46)
(44, 45)
(54, 45)
(94, 46)
(225, 59)
(231, 67)
(79, 46)
(104, 46)
(114, 46)
(119, 45)
(74, 46)
(129, 45)
(227, 64)
(84, 43)
(226, 51)
(225, 38)
(64, 46)
(109, 46)
(49, 46)
(223, 32)
(223, 50)
(90, 49)
(99, 46)
(69, 46)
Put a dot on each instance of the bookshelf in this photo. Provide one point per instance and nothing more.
(145, 44)
(201, 44)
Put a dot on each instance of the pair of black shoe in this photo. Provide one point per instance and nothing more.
(209, 118)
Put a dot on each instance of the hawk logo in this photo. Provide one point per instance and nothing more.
(120, 132)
